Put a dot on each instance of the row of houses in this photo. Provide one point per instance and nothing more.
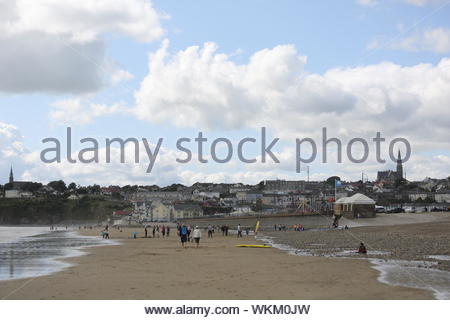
(237, 200)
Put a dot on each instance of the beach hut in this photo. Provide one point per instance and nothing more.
(356, 206)
(339, 207)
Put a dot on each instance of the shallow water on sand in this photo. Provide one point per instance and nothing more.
(31, 252)
(414, 274)
(11, 234)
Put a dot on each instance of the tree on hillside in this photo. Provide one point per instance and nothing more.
(31, 186)
(94, 189)
(331, 180)
(173, 187)
(59, 186)
(260, 185)
(129, 189)
(72, 186)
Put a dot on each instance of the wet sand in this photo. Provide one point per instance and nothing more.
(414, 241)
(161, 269)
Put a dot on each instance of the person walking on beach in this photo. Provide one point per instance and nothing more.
(189, 232)
(197, 235)
(154, 231)
(210, 231)
(168, 231)
(145, 231)
(183, 235)
(239, 231)
(157, 231)
(163, 231)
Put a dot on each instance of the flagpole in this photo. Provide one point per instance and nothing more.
(335, 190)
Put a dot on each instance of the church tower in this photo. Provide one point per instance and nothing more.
(11, 176)
(399, 167)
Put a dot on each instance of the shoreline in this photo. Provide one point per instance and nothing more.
(146, 268)
(416, 255)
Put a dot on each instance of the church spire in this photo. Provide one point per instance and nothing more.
(11, 176)
(399, 167)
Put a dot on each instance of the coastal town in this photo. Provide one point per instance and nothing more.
(390, 193)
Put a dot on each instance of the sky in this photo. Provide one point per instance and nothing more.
(171, 69)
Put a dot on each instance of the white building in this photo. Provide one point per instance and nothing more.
(18, 194)
(442, 197)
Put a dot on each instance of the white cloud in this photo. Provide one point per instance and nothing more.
(200, 88)
(78, 111)
(83, 20)
(11, 145)
(12, 149)
(121, 75)
(420, 3)
(36, 62)
(367, 3)
(435, 40)
(58, 46)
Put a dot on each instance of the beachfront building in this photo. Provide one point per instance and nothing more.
(419, 196)
(238, 187)
(283, 200)
(241, 210)
(161, 211)
(442, 196)
(356, 206)
(186, 210)
(249, 196)
(145, 195)
(284, 185)
(203, 195)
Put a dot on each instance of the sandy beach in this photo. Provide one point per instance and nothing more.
(406, 241)
(159, 268)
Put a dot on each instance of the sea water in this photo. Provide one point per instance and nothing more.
(35, 251)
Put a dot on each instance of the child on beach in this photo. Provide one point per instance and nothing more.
(197, 235)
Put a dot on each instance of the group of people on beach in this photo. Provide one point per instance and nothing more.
(283, 227)
(157, 231)
(105, 232)
(187, 234)
(184, 232)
